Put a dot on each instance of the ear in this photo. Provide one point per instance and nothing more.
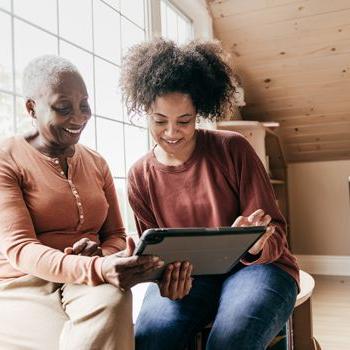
(30, 107)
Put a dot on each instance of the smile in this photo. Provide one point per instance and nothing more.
(172, 142)
(73, 131)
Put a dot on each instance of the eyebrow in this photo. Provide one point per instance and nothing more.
(180, 116)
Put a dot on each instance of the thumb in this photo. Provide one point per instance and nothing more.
(68, 250)
(130, 246)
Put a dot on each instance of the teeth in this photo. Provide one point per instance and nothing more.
(73, 131)
(172, 141)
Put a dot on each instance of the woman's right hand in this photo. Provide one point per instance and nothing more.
(176, 281)
(123, 270)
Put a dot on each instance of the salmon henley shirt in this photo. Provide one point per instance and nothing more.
(42, 212)
(223, 179)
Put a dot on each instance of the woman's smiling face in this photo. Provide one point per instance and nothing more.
(62, 111)
(172, 123)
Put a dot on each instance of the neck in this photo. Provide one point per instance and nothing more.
(50, 150)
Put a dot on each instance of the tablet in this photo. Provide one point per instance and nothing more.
(211, 251)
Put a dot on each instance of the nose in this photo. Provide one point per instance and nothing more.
(80, 117)
(171, 129)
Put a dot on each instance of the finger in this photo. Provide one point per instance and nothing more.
(130, 246)
(90, 249)
(154, 265)
(79, 246)
(256, 216)
(265, 221)
(188, 282)
(128, 262)
(174, 282)
(68, 250)
(182, 277)
(165, 281)
(98, 252)
(240, 220)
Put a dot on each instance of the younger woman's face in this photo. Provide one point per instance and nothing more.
(172, 123)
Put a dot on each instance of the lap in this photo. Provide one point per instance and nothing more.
(31, 315)
(254, 305)
(261, 291)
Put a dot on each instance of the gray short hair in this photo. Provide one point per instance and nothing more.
(44, 71)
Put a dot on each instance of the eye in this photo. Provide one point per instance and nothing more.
(159, 122)
(85, 108)
(64, 110)
(184, 122)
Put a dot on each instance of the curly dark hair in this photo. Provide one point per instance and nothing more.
(199, 69)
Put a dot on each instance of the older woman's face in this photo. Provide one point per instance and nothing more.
(62, 111)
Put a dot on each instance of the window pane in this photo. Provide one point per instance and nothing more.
(107, 32)
(114, 3)
(108, 96)
(110, 143)
(41, 12)
(171, 17)
(76, 22)
(119, 185)
(5, 4)
(163, 7)
(6, 115)
(87, 137)
(6, 52)
(29, 43)
(134, 10)
(131, 35)
(84, 62)
(23, 120)
(136, 144)
(184, 30)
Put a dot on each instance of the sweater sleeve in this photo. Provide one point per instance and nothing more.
(19, 244)
(112, 233)
(137, 191)
(256, 192)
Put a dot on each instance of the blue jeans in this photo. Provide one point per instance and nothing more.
(248, 307)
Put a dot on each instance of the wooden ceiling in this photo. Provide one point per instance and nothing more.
(293, 58)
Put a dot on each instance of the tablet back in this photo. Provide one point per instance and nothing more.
(211, 251)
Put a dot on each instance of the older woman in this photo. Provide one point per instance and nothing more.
(63, 284)
(203, 178)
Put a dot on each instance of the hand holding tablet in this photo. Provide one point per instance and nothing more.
(209, 250)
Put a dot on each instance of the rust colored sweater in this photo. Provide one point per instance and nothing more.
(223, 178)
(42, 212)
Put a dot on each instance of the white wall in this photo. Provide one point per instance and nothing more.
(320, 208)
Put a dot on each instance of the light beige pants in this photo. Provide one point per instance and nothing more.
(40, 315)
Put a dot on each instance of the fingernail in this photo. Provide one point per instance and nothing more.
(155, 258)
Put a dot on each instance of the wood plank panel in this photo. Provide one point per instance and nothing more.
(280, 14)
(319, 146)
(239, 7)
(329, 137)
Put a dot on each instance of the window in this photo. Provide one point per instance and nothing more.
(94, 35)
(175, 24)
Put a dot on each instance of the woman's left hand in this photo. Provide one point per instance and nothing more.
(258, 218)
(84, 247)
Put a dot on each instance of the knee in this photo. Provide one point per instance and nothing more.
(235, 338)
(112, 300)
